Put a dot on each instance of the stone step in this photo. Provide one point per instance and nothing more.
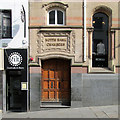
(53, 104)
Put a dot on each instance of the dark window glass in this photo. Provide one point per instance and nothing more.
(51, 84)
(59, 17)
(52, 17)
(100, 40)
(6, 24)
(97, 22)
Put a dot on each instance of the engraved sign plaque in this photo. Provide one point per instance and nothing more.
(55, 42)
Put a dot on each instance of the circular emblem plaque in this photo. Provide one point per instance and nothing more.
(15, 59)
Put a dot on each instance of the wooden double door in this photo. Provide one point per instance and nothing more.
(56, 80)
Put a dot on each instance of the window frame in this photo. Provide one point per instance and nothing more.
(56, 24)
(10, 20)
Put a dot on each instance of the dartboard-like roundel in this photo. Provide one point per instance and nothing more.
(15, 59)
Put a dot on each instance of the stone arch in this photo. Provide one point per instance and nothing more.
(106, 10)
(52, 56)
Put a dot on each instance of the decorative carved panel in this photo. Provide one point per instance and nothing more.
(56, 41)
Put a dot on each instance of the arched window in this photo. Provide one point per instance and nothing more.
(56, 17)
(100, 40)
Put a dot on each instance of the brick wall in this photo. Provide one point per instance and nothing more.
(79, 69)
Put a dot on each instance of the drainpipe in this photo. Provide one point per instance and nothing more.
(84, 30)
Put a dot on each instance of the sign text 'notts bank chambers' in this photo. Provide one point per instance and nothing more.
(56, 42)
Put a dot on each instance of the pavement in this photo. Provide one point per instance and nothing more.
(98, 112)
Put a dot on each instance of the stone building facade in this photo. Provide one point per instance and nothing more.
(67, 70)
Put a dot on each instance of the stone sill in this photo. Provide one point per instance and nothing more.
(32, 64)
(100, 70)
(65, 27)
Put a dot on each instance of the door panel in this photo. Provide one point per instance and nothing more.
(16, 98)
(52, 74)
(52, 95)
(15, 93)
(55, 80)
(45, 75)
(45, 95)
(46, 84)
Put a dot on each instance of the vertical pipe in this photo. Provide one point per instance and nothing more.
(84, 30)
(4, 92)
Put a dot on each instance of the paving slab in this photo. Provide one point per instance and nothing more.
(112, 112)
(82, 112)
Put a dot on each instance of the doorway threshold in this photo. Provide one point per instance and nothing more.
(54, 106)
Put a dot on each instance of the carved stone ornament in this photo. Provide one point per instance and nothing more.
(73, 42)
(56, 42)
(55, 4)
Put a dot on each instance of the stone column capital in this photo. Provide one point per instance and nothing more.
(112, 31)
(90, 29)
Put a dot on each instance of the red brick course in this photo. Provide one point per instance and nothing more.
(117, 69)
(79, 69)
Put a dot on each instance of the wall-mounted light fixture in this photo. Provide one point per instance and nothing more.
(24, 42)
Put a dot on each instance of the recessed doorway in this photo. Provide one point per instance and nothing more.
(56, 81)
(16, 98)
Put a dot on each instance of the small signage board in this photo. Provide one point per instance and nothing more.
(15, 59)
(24, 85)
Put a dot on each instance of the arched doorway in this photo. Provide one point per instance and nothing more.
(56, 81)
(100, 40)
